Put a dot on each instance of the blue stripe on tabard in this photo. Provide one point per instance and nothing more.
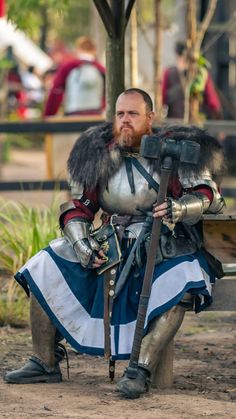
(168, 264)
(37, 293)
(167, 306)
(85, 284)
(126, 304)
(116, 337)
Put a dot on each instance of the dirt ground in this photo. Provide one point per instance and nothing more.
(204, 379)
(204, 368)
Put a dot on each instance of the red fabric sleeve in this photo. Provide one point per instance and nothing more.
(57, 91)
(205, 190)
(86, 208)
(211, 97)
(176, 189)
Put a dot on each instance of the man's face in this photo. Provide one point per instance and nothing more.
(132, 120)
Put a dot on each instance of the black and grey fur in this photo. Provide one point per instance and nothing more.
(92, 162)
(212, 156)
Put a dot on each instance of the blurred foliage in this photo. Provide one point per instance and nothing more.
(24, 231)
(68, 19)
(58, 19)
(146, 10)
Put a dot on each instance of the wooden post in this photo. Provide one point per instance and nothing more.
(162, 376)
(157, 61)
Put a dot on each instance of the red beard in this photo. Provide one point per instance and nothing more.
(129, 137)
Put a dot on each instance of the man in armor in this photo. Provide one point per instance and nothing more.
(66, 280)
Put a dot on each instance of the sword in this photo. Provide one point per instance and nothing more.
(127, 267)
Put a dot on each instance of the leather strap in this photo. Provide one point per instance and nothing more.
(145, 174)
(130, 175)
(109, 290)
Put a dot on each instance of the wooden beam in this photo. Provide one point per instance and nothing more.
(224, 295)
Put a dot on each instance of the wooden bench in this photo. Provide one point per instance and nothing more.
(220, 240)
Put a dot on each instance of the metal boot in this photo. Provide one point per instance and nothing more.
(41, 367)
(161, 331)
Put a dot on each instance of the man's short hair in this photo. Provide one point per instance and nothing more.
(86, 44)
(147, 99)
(180, 47)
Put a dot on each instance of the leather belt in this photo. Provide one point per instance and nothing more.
(125, 220)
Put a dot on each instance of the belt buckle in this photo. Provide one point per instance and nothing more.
(112, 217)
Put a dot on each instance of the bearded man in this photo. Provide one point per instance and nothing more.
(65, 280)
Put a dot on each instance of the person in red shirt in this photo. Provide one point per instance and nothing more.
(79, 83)
(173, 88)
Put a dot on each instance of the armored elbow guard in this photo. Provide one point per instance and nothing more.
(189, 208)
(78, 234)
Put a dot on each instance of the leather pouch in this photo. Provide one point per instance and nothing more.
(172, 246)
(108, 241)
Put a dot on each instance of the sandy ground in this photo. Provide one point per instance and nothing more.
(204, 369)
(204, 379)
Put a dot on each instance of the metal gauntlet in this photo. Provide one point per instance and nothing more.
(189, 208)
(77, 232)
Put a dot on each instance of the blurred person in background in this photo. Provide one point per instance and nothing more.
(79, 83)
(173, 87)
(15, 89)
(33, 87)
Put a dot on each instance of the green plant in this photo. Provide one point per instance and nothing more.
(24, 231)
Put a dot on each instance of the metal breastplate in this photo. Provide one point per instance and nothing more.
(118, 198)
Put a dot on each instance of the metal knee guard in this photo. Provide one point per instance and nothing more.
(43, 333)
(162, 330)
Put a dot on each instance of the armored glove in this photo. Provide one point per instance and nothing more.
(189, 208)
(85, 247)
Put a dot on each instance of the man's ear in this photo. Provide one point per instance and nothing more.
(151, 117)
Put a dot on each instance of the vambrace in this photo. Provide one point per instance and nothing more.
(189, 208)
(85, 247)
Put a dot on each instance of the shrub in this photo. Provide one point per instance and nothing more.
(24, 231)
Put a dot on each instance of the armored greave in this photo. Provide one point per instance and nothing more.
(43, 334)
(162, 330)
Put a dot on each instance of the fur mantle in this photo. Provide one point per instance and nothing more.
(94, 159)
(212, 158)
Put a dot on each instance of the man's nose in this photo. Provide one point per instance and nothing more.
(126, 117)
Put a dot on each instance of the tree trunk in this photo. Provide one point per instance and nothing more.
(115, 18)
(133, 49)
(115, 73)
(191, 56)
(157, 61)
(194, 41)
(44, 29)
